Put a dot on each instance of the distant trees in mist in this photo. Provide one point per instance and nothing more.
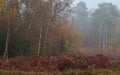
(100, 27)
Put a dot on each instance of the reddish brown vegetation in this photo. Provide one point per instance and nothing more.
(72, 60)
(98, 61)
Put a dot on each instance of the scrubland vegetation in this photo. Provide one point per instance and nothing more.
(72, 63)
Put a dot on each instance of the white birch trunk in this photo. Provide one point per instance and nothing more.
(40, 38)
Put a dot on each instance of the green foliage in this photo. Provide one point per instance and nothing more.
(64, 46)
(21, 45)
(2, 44)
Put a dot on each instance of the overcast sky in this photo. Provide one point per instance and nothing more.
(92, 4)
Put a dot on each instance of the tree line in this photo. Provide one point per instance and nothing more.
(51, 27)
(36, 27)
(100, 27)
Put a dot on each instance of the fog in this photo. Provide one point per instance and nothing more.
(94, 3)
(98, 21)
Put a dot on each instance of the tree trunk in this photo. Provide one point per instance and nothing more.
(40, 38)
(103, 40)
(100, 35)
(44, 43)
(106, 37)
(7, 42)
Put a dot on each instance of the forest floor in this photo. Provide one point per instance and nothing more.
(71, 63)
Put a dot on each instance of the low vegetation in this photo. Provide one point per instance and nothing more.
(67, 64)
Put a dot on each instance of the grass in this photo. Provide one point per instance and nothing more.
(70, 72)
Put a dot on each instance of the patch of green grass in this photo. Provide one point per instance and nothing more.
(3, 73)
(70, 72)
